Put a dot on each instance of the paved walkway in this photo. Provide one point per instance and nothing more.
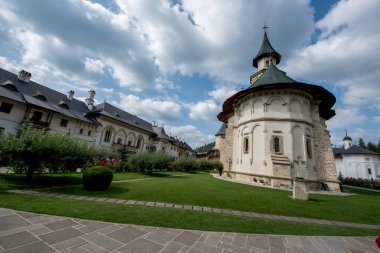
(39, 233)
(361, 188)
(199, 209)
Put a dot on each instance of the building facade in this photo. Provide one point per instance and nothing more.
(356, 162)
(103, 125)
(275, 129)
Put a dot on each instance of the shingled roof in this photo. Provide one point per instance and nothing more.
(353, 150)
(222, 130)
(41, 96)
(113, 112)
(266, 49)
(161, 134)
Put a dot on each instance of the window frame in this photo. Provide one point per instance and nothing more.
(6, 107)
(107, 136)
(63, 123)
(246, 144)
(36, 116)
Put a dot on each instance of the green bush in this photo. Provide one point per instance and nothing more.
(366, 183)
(208, 165)
(34, 150)
(97, 178)
(187, 164)
(148, 162)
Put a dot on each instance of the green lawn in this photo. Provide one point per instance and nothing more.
(204, 190)
(193, 189)
(165, 217)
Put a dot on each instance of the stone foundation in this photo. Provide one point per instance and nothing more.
(279, 182)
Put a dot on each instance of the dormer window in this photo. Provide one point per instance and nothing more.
(63, 105)
(9, 85)
(39, 96)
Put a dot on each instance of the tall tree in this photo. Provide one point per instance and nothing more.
(362, 143)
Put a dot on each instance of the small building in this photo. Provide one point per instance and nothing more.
(353, 161)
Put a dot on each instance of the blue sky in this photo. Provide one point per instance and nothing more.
(175, 62)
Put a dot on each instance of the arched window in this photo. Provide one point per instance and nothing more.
(138, 143)
(308, 148)
(245, 144)
(107, 136)
(276, 144)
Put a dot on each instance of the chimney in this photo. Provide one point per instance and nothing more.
(70, 95)
(24, 76)
(90, 100)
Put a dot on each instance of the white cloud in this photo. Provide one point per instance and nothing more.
(150, 109)
(206, 110)
(191, 134)
(94, 65)
(221, 93)
(345, 53)
(346, 118)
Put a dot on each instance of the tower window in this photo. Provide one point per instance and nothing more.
(308, 148)
(107, 136)
(369, 171)
(277, 145)
(246, 145)
(267, 63)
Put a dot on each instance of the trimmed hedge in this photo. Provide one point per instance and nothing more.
(97, 178)
(366, 183)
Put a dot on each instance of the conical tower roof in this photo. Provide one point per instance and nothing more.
(266, 50)
(222, 130)
(272, 75)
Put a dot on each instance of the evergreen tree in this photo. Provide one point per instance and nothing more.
(362, 143)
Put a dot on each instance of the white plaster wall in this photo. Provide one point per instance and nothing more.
(129, 133)
(261, 64)
(288, 115)
(356, 166)
(11, 122)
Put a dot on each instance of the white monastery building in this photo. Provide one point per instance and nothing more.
(356, 162)
(103, 125)
(275, 129)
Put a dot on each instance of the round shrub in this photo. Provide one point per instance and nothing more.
(97, 178)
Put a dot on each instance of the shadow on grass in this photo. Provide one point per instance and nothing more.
(18, 181)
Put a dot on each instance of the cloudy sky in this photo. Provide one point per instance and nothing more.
(175, 62)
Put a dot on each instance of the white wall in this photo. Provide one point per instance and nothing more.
(357, 165)
(288, 115)
(11, 121)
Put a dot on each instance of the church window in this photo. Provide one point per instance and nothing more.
(63, 122)
(107, 136)
(308, 148)
(81, 131)
(246, 145)
(276, 144)
(369, 171)
(267, 63)
(129, 143)
(89, 133)
(5, 107)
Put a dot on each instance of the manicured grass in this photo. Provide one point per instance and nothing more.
(165, 217)
(17, 181)
(203, 190)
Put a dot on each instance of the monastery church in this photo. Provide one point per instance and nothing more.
(274, 131)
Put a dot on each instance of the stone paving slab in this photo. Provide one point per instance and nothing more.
(60, 234)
